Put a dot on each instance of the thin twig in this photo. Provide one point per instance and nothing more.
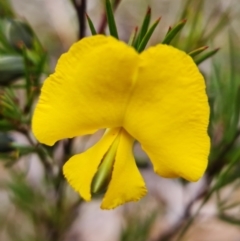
(80, 6)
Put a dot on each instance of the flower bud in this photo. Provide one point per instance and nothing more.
(18, 33)
(11, 67)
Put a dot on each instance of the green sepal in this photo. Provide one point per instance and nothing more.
(91, 26)
(197, 51)
(147, 36)
(111, 20)
(173, 32)
(206, 56)
(143, 29)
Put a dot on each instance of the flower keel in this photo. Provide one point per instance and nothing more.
(80, 169)
(127, 183)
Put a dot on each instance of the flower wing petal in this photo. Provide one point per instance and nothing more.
(126, 183)
(80, 169)
(88, 91)
(168, 113)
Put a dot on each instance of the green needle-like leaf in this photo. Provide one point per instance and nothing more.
(194, 29)
(237, 108)
(148, 35)
(185, 9)
(229, 219)
(111, 20)
(5, 125)
(91, 26)
(169, 29)
(206, 56)
(195, 52)
(133, 37)
(173, 32)
(144, 28)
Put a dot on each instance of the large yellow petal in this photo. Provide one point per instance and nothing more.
(126, 183)
(88, 91)
(168, 113)
(80, 169)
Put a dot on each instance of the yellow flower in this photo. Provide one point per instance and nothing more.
(157, 98)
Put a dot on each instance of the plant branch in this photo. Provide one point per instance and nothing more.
(80, 6)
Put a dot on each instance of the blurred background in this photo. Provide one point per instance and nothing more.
(37, 204)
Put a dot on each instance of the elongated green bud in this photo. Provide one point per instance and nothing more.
(17, 33)
(11, 67)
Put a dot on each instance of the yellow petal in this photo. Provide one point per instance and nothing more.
(168, 113)
(81, 168)
(88, 91)
(126, 183)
